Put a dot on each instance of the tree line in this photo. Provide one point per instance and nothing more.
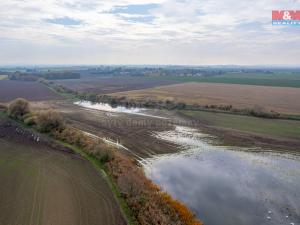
(46, 75)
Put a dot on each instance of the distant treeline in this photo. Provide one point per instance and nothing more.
(181, 71)
(173, 105)
(46, 75)
(256, 111)
(154, 71)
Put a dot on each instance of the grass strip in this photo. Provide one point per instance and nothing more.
(100, 168)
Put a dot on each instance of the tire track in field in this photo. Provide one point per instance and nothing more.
(88, 197)
(34, 197)
(37, 196)
(83, 185)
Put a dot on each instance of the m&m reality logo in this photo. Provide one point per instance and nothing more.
(286, 17)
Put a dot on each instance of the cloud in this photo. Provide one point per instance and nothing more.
(141, 9)
(66, 21)
(137, 18)
(148, 31)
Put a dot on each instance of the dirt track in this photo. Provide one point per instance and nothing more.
(40, 185)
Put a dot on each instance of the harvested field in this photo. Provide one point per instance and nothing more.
(33, 91)
(279, 99)
(40, 184)
(105, 85)
(132, 131)
(136, 132)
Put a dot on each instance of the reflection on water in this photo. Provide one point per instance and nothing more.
(118, 109)
(229, 186)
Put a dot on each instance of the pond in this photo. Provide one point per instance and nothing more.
(228, 185)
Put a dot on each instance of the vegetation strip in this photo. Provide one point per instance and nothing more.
(142, 201)
(100, 168)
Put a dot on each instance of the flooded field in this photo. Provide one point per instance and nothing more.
(228, 185)
(118, 109)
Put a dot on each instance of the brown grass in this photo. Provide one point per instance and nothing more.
(280, 99)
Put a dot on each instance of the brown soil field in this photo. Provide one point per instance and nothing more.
(132, 131)
(105, 85)
(135, 132)
(279, 99)
(45, 184)
(9, 90)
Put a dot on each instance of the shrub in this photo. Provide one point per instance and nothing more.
(30, 120)
(49, 121)
(18, 108)
(102, 152)
(3, 107)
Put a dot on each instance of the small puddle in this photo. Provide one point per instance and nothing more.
(118, 109)
(228, 185)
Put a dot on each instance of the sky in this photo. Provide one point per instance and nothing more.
(183, 32)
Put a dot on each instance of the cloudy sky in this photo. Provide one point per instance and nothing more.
(197, 32)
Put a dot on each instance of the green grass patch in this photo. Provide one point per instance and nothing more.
(2, 161)
(271, 127)
(3, 77)
(63, 94)
(261, 79)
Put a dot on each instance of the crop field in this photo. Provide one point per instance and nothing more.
(279, 99)
(261, 79)
(104, 85)
(272, 128)
(33, 91)
(41, 184)
(3, 77)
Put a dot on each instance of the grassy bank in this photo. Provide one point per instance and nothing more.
(271, 127)
(99, 166)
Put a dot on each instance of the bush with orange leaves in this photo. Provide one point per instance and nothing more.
(149, 204)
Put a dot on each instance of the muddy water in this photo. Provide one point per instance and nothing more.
(118, 109)
(226, 185)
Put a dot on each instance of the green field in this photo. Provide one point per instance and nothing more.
(270, 127)
(263, 79)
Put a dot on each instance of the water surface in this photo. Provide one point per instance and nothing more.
(227, 185)
(117, 109)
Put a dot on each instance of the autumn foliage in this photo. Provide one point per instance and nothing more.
(148, 203)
